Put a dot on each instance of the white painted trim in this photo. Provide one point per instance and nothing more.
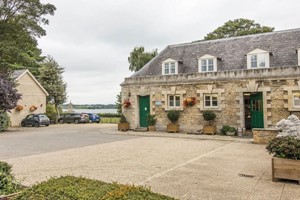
(298, 52)
(27, 71)
(206, 57)
(258, 53)
(169, 60)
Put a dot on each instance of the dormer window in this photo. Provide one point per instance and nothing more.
(169, 67)
(207, 63)
(258, 59)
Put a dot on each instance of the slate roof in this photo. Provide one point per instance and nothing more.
(232, 52)
(18, 73)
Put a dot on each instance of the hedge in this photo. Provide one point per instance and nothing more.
(70, 187)
(4, 121)
(8, 183)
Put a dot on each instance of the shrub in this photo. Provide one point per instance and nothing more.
(70, 187)
(227, 128)
(109, 115)
(209, 115)
(151, 119)
(8, 183)
(173, 116)
(284, 147)
(123, 119)
(51, 112)
(4, 121)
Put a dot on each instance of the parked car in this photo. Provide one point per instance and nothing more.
(74, 118)
(94, 117)
(35, 120)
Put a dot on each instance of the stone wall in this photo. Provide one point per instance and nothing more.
(230, 87)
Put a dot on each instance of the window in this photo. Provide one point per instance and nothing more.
(174, 101)
(258, 59)
(169, 67)
(296, 99)
(207, 63)
(211, 100)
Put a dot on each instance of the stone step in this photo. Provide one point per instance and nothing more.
(141, 129)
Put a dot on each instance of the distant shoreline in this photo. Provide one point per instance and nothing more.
(95, 111)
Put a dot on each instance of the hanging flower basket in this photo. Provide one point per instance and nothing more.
(19, 108)
(32, 108)
(126, 103)
(189, 102)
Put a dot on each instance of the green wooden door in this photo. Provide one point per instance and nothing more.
(257, 113)
(144, 110)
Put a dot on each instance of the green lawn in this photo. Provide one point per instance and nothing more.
(110, 120)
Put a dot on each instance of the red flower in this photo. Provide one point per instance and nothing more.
(190, 101)
(126, 103)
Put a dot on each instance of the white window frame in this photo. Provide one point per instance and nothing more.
(206, 59)
(174, 106)
(293, 98)
(260, 54)
(169, 62)
(211, 100)
(298, 52)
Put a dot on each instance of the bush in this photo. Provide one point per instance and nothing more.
(8, 183)
(123, 119)
(227, 128)
(151, 119)
(4, 121)
(109, 115)
(173, 116)
(70, 187)
(284, 147)
(209, 115)
(51, 112)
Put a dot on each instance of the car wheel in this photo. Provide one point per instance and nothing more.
(23, 124)
(76, 121)
(61, 121)
(98, 122)
(91, 121)
(47, 124)
(36, 124)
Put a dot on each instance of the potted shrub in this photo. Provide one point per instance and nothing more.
(151, 119)
(123, 125)
(286, 160)
(209, 116)
(228, 130)
(173, 116)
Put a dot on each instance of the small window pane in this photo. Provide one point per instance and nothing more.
(297, 99)
(171, 101)
(254, 61)
(261, 60)
(167, 68)
(172, 68)
(203, 65)
(207, 103)
(177, 101)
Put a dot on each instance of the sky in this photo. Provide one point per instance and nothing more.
(93, 39)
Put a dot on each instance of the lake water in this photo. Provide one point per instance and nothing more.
(96, 111)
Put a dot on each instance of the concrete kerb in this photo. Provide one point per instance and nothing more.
(181, 135)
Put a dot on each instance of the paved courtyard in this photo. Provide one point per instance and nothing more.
(197, 168)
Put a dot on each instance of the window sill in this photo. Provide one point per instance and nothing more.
(168, 109)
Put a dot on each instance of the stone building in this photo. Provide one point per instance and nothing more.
(250, 81)
(33, 97)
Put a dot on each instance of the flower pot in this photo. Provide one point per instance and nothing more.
(123, 126)
(209, 129)
(151, 128)
(283, 168)
(173, 128)
(230, 133)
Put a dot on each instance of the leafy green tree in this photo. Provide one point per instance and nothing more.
(20, 25)
(237, 27)
(52, 80)
(138, 58)
(119, 103)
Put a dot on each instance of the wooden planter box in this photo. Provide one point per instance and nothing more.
(173, 128)
(151, 128)
(123, 126)
(209, 130)
(283, 168)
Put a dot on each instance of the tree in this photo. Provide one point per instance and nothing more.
(138, 58)
(20, 25)
(9, 95)
(52, 80)
(119, 103)
(237, 27)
